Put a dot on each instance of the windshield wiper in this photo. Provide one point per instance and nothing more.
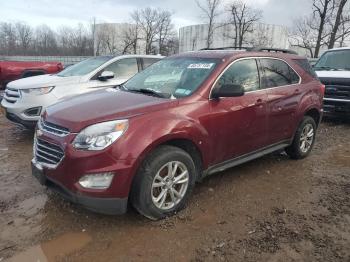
(121, 87)
(148, 91)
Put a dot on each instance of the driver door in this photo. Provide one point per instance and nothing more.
(239, 124)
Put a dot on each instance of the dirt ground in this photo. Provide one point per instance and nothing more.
(271, 209)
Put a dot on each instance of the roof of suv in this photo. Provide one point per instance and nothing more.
(338, 48)
(229, 54)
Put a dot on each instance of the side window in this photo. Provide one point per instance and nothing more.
(242, 73)
(124, 68)
(149, 61)
(277, 73)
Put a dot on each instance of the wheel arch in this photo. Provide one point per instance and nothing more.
(315, 114)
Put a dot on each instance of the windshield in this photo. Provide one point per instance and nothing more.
(172, 78)
(334, 60)
(84, 67)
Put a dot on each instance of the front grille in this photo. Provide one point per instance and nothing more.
(337, 91)
(12, 95)
(53, 128)
(47, 153)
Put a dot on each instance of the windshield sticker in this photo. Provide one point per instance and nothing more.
(201, 66)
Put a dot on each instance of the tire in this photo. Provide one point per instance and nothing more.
(296, 150)
(144, 197)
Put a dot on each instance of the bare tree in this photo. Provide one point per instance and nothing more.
(24, 35)
(211, 11)
(148, 20)
(8, 38)
(303, 36)
(242, 18)
(321, 13)
(131, 39)
(337, 22)
(165, 30)
(329, 24)
(344, 31)
(154, 26)
(45, 41)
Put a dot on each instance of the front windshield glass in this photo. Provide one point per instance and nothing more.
(84, 67)
(334, 60)
(173, 77)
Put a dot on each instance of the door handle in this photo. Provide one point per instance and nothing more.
(297, 91)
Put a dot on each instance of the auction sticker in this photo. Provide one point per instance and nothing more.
(201, 66)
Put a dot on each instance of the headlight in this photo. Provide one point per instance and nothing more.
(100, 136)
(38, 91)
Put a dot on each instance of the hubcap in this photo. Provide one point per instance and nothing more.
(306, 138)
(170, 185)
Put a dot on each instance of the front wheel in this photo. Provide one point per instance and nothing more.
(304, 139)
(163, 183)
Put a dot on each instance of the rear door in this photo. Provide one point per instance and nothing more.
(283, 88)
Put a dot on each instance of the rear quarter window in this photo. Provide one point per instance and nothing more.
(277, 73)
(304, 64)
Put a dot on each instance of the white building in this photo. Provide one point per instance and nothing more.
(194, 37)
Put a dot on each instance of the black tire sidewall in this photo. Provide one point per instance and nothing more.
(296, 143)
(142, 199)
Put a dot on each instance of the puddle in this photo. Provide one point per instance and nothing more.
(49, 251)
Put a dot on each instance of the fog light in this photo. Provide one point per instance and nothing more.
(35, 111)
(96, 181)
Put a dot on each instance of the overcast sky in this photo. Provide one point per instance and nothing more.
(70, 12)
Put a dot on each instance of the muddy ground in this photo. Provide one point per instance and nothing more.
(271, 209)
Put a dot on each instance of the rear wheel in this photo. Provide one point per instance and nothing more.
(304, 139)
(164, 182)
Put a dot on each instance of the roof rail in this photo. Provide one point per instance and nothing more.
(277, 50)
(243, 48)
(253, 49)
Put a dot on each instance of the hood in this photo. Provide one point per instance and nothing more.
(81, 111)
(333, 74)
(43, 81)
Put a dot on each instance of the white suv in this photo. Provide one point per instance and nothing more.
(26, 99)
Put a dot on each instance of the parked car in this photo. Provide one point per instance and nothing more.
(333, 69)
(149, 140)
(13, 70)
(26, 99)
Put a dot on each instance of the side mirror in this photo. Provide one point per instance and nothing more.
(105, 75)
(227, 91)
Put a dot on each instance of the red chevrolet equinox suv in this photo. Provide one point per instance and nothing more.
(148, 141)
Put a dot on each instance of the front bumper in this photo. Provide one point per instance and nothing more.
(64, 177)
(336, 107)
(17, 120)
(109, 206)
(16, 112)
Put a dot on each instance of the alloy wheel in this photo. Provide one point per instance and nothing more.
(170, 185)
(306, 138)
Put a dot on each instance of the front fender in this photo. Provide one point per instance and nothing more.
(146, 133)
